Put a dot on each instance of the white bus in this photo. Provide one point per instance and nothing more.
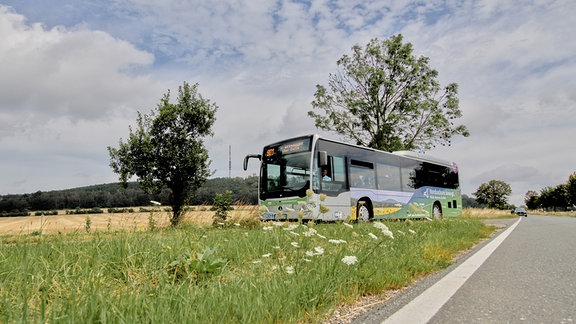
(314, 178)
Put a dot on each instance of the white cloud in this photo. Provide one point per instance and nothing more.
(80, 74)
(88, 68)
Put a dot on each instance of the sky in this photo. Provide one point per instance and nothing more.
(75, 73)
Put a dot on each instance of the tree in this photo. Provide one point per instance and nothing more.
(531, 199)
(561, 196)
(167, 149)
(494, 194)
(469, 202)
(572, 189)
(386, 98)
(546, 199)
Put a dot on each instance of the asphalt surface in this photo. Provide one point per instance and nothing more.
(530, 277)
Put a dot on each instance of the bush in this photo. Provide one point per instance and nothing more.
(120, 210)
(15, 213)
(46, 213)
(222, 205)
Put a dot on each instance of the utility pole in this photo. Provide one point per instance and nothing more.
(229, 161)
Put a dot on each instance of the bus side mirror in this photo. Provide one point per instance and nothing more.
(322, 158)
(258, 156)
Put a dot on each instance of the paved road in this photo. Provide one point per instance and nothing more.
(529, 278)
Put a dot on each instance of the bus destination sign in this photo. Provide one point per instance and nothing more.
(302, 145)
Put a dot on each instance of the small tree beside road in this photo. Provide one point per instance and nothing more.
(167, 148)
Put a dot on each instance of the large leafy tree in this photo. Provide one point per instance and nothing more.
(385, 97)
(166, 149)
(572, 189)
(531, 199)
(493, 194)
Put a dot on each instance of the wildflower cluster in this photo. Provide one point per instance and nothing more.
(306, 244)
(300, 244)
(385, 230)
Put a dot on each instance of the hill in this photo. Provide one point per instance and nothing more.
(114, 195)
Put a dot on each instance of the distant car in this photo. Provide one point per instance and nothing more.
(520, 212)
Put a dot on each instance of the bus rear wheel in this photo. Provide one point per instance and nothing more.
(437, 211)
(363, 213)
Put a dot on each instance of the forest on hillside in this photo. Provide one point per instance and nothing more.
(114, 195)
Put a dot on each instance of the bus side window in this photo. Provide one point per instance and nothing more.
(388, 177)
(409, 179)
(338, 169)
(362, 175)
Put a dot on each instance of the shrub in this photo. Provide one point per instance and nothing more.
(222, 205)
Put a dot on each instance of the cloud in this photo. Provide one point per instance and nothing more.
(86, 67)
(81, 74)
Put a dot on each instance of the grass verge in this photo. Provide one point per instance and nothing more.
(274, 272)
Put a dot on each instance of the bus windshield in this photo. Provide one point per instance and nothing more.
(285, 170)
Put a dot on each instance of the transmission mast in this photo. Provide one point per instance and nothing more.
(229, 161)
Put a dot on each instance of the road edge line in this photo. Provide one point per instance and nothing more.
(427, 304)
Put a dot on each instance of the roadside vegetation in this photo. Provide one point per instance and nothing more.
(553, 213)
(240, 270)
(486, 213)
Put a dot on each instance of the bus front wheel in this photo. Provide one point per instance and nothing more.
(437, 211)
(363, 213)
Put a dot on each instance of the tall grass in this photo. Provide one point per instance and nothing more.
(275, 272)
(486, 213)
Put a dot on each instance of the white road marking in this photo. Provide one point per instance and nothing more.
(425, 306)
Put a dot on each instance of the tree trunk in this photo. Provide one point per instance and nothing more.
(179, 199)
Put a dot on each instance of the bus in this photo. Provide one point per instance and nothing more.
(315, 178)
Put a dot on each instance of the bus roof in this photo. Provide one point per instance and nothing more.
(422, 157)
(407, 154)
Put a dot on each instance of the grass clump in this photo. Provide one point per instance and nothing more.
(270, 272)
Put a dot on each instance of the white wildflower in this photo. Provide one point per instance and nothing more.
(267, 228)
(295, 244)
(307, 260)
(236, 224)
(321, 236)
(277, 247)
(291, 227)
(337, 241)
(310, 232)
(401, 233)
(385, 230)
(412, 231)
(256, 261)
(317, 251)
(381, 226)
(289, 269)
(294, 233)
(388, 233)
(373, 236)
(348, 225)
(267, 255)
(350, 259)
(278, 224)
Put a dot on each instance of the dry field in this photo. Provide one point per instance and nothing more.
(63, 223)
(200, 215)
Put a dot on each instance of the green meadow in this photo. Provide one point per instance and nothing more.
(246, 272)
